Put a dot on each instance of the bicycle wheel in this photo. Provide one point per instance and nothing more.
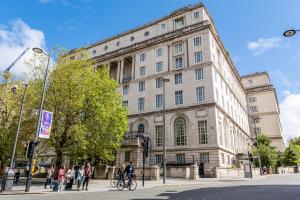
(113, 183)
(120, 185)
(132, 185)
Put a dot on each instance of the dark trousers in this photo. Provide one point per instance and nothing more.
(69, 184)
(85, 182)
(48, 181)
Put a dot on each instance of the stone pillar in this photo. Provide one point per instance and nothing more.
(194, 172)
(118, 72)
(122, 71)
(133, 68)
(111, 172)
(186, 55)
(154, 173)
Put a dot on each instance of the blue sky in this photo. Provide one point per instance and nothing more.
(251, 31)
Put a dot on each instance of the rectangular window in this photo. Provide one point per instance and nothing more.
(204, 157)
(180, 158)
(223, 158)
(143, 71)
(252, 99)
(178, 62)
(250, 81)
(159, 66)
(159, 100)
(196, 15)
(253, 109)
(159, 82)
(202, 132)
(125, 103)
(142, 86)
(125, 89)
(178, 23)
(127, 156)
(159, 52)
(178, 48)
(159, 135)
(163, 26)
(178, 97)
(142, 57)
(200, 94)
(199, 74)
(198, 57)
(258, 130)
(228, 159)
(158, 158)
(141, 104)
(197, 41)
(178, 78)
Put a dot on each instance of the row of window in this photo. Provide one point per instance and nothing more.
(159, 81)
(200, 97)
(180, 133)
(180, 158)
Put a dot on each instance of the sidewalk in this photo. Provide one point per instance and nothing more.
(104, 185)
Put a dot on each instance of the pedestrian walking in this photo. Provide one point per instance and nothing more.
(70, 178)
(80, 177)
(87, 173)
(49, 177)
(17, 177)
(61, 178)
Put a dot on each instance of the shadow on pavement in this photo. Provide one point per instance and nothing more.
(247, 192)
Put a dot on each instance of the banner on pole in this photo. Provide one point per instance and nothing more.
(46, 124)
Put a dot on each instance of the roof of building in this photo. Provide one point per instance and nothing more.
(255, 74)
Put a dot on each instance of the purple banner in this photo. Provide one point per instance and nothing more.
(46, 124)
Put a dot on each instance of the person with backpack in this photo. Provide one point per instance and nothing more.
(129, 172)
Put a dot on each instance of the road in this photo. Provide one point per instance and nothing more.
(277, 187)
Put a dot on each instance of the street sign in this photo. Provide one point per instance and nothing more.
(46, 124)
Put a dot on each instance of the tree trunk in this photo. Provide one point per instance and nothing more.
(58, 164)
(2, 167)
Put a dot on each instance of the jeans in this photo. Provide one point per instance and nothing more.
(85, 182)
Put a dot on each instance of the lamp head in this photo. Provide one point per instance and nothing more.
(37, 50)
(14, 89)
(289, 33)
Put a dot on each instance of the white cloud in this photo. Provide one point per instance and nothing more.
(263, 44)
(290, 115)
(14, 39)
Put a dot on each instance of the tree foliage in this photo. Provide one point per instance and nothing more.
(291, 155)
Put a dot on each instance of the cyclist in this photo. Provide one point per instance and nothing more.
(129, 172)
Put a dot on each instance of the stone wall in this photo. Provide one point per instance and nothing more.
(178, 172)
(286, 170)
(234, 172)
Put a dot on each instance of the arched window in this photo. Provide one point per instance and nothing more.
(180, 132)
(141, 128)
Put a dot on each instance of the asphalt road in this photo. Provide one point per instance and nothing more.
(278, 187)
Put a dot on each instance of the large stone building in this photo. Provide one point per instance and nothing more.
(206, 102)
(263, 107)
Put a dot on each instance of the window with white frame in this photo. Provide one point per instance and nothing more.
(199, 74)
(178, 78)
(159, 52)
(179, 23)
(204, 157)
(178, 47)
(159, 66)
(178, 97)
(125, 103)
(253, 109)
(143, 71)
(198, 57)
(142, 86)
(252, 99)
(196, 15)
(200, 94)
(142, 57)
(159, 82)
(197, 41)
(158, 100)
(180, 158)
(202, 132)
(158, 158)
(141, 104)
(159, 135)
(125, 89)
(178, 62)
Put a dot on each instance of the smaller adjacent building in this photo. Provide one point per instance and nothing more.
(263, 106)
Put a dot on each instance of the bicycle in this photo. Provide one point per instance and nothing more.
(121, 184)
(113, 182)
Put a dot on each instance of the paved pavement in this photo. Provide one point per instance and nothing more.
(276, 187)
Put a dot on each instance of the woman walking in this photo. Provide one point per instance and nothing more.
(70, 178)
(80, 177)
(61, 178)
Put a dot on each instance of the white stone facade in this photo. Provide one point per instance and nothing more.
(206, 103)
(263, 104)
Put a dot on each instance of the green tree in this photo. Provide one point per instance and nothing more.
(291, 155)
(88, 117)
(268, 154)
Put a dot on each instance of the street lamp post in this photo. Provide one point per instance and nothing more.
(290, 32)
(9, 178)
(164, 128)
(28, 182)
(257, 144)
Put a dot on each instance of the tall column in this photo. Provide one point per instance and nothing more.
(122, 71)
(169, 57)
(118, 71)
(133, 67)
(186, 55)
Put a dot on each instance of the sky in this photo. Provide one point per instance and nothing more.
(251, 31)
